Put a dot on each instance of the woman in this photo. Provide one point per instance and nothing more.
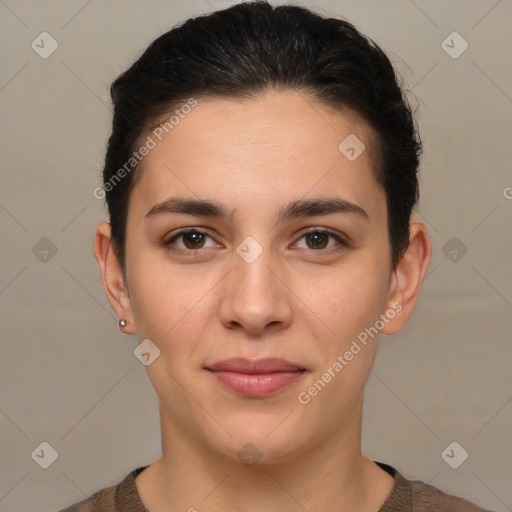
(260, 179)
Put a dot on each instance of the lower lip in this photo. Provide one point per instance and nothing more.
(256, 384)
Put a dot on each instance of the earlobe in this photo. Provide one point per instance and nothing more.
(112, 277)
(407, 278)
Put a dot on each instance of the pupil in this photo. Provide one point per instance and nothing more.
(194, 237)
(316, 237)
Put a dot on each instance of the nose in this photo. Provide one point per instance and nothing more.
(255, 297)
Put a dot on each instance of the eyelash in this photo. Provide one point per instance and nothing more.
(168, 243)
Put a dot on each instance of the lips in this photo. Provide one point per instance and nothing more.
(268, 365)
(255, 378)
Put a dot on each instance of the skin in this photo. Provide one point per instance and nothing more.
(295, 301)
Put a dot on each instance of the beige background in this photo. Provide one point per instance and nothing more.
(68, 377)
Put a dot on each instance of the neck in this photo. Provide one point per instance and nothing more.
(330, 476)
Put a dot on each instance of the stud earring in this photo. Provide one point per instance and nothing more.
(123, 322)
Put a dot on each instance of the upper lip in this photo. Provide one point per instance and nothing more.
(266, 365)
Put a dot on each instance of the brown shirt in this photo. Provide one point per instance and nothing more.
(406, 496)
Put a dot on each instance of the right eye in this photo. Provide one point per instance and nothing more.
(193, 239)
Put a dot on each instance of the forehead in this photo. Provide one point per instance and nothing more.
(278, 147)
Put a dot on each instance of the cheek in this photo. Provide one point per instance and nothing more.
(349, 302)
(167, 304)
(350, 299)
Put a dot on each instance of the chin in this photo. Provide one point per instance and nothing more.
(262, 443)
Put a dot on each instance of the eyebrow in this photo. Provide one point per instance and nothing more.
(295, 209)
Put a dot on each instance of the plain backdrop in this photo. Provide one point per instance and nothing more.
(69, 378)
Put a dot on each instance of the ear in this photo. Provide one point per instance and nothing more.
(407, 278)
(112, 276)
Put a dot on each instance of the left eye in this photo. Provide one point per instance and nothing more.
(319, 239)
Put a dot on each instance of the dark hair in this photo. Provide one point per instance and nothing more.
(251, 48)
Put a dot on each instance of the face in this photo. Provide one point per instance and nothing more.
(290, 260)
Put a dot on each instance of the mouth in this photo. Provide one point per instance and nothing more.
(256, 378)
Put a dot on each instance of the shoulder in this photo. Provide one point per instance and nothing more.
(417, 496)
(104, 500)
(120, 497)
(431, 499)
